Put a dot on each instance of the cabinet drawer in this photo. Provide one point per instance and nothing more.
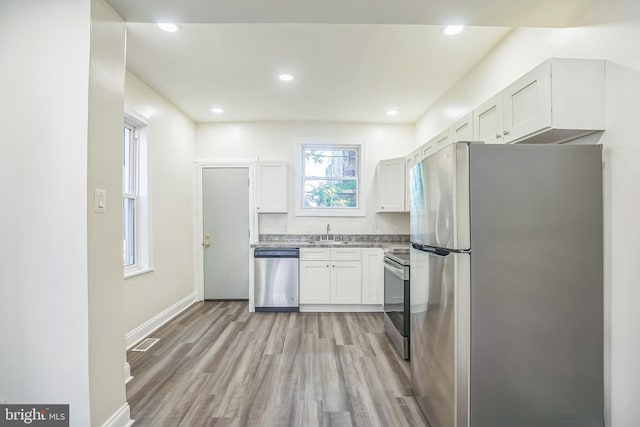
(339, 254)
(315, 254)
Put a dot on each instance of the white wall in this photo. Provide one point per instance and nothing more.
(277, 141)
(170, 141)
(616, 41)
(44, 81)
(106, 287)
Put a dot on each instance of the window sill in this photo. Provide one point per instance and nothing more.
(335, 212)
(134, 273)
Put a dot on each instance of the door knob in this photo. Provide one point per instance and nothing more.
(206, 244)
(206, 236)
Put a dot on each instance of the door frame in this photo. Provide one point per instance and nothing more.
(199, 230)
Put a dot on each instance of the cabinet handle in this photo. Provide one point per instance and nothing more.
(505, 133)
(334, 266)
(327, 265)
(498, 136)
(381, 207)
(258, 208)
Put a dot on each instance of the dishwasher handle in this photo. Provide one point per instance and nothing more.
(277, 253)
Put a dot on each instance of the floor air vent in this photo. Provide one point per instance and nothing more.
(146, 344)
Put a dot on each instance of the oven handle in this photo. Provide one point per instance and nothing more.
(396, 271)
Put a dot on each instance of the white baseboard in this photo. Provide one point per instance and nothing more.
(127, 373)
(340, 308)
(141, 332)
(122, 418)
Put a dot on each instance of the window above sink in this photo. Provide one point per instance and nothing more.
(329, 180)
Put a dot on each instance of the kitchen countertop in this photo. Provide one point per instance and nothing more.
(384, 241)
(324, 244)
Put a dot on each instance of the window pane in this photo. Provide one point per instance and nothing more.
(330, 193)
(129, 163)
(126, 157)
(129, 230)
(330, 163)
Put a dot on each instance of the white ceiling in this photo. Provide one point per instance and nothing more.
(352, 60)
(509, 13)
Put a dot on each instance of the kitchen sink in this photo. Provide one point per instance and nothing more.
(328, 242)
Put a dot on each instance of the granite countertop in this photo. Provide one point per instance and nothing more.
(338, 241)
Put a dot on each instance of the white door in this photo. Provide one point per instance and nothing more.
(225, 209)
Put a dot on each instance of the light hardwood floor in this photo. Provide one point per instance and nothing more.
(219, 365)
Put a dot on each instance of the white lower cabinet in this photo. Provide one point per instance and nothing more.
(346, 279)
(336, 279)
(372, 276)
(315, 280)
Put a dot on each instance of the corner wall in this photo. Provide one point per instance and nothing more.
(615, 41)
(106, 287)
(277, 141)
(44, 69)
(170, 142)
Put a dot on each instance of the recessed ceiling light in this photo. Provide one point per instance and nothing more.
(169, 27)
(217, 110)
(285, 77)
(392, 112)
(452, 30)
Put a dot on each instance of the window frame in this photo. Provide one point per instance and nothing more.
(139, 193)
(133, 176)
(360, 209)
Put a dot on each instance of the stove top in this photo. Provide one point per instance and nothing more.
(401, 256)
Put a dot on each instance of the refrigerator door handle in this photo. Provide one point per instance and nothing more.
(431, 249)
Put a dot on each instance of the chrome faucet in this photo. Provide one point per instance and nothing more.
(328, 229)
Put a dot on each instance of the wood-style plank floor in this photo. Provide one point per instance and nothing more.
(219, 365)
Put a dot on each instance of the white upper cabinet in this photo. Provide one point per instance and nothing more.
(527, 104)
(441, 140)
(559, 100)
(412, 159)
(487, 121)
(271, 187)
(462, 130)
(391, 179)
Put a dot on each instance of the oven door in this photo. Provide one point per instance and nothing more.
(396, 294)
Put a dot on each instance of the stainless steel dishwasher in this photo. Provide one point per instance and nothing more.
(276, 278)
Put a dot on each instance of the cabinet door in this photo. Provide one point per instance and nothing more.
(527, 103)
(346, 282)
(409, 162)
(487, 121)
(315, 282)
(462, 130)
(372, 276)
(428, 149)
(442, 139)
(391, 179)
(271, 187)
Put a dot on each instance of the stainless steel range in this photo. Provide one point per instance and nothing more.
(396, 299)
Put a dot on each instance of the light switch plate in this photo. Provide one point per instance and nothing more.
(99, 200)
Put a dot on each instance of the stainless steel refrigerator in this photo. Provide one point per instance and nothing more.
(506, 286)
